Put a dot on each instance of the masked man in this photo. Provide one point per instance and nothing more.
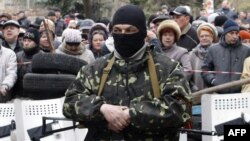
(125, 106)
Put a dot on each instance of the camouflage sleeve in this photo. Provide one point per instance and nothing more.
(168, 111)
(81, 103)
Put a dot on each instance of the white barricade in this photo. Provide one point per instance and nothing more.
(183, 137)
(220, 108)
(29, 114)
(7, 113)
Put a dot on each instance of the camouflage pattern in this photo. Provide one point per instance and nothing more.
(129, 85)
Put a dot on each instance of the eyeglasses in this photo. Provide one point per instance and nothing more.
(73, 44)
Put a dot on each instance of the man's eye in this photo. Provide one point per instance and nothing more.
(129, 30)
(116, 30)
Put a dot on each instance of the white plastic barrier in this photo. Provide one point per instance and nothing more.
(7, 113)
(29, 114)
(183, 137)
(221, 108)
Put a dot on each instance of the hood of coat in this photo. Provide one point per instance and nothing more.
(224, 44)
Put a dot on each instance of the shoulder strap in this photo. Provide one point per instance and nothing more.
(105, 75)
(153, 76)
(152, 73)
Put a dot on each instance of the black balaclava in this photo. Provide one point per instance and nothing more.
(128, 44)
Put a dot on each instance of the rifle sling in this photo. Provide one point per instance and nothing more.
(152, 73)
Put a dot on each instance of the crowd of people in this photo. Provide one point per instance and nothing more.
(188, 55)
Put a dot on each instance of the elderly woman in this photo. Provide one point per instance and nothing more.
(169, 33)
(72, 46)
(207, 34)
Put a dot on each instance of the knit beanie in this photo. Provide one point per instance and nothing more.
(133, 15)
(208, 27)
(244, 35)
(230, 25)
(72, 36)
(170, 24)
(32, 34)
(220, 20)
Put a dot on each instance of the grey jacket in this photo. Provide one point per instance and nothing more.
(197, 56)
(224, 57)
(181, 55)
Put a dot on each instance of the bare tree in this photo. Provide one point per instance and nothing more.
(87, 7)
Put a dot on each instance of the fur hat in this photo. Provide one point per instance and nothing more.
(207, 26)
(244, 35)
(99, 26)
(50, 24)
(171, 24)
(72, 36)
(230, 25)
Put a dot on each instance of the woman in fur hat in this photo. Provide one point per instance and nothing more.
(169, 33)
(207, 34)
(44, 40)
(97, 36)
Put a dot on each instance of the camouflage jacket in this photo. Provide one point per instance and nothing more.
(129, 84)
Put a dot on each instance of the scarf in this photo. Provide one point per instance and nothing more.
(80, 50)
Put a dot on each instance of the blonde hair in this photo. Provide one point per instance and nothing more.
(205, 28)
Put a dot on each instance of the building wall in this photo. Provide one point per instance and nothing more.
(107, 9)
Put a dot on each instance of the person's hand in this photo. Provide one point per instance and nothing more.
(117, 116)
(113, 128)
(3, 90)
(151, 35)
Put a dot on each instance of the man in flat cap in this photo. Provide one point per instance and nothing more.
(11, 31)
